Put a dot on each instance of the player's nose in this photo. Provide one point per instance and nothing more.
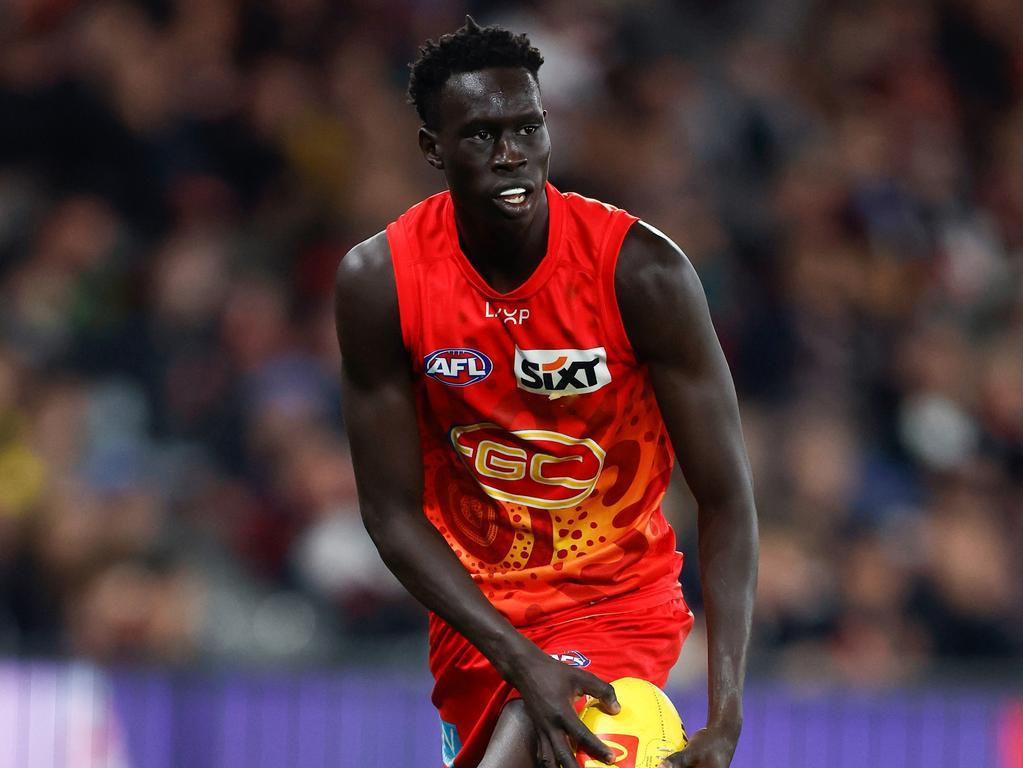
(507, 155)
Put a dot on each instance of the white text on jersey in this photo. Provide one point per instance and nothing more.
(513, 316)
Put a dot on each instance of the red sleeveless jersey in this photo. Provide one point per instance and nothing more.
(545, 457)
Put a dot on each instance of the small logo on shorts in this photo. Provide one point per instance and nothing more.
(572, 658)
(451, 745)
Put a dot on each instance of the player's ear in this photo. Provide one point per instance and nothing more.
(429, 146)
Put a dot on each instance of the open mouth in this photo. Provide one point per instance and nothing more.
(513, 195)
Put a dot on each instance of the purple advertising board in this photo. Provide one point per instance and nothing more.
(78, 716)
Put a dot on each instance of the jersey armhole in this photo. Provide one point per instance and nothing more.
(621, 223)
(402, 261)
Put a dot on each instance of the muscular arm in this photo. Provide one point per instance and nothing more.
(668, 323)
(379, 411)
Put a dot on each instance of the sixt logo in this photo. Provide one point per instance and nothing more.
(572, 658)
(457, 367)
(560, 372)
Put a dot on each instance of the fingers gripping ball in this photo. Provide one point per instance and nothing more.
(646, 731)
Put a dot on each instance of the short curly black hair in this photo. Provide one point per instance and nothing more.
(468, 49)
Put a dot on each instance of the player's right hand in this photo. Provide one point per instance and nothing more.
(549, 691)
(708, 748)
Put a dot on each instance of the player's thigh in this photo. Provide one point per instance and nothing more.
(513, 744)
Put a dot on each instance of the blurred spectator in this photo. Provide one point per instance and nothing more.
(178, 181)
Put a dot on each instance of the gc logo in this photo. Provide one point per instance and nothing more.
(534, 467)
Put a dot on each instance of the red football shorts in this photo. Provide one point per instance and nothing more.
(621, 641)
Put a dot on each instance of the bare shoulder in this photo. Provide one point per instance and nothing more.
(366, 311)
(659, 293)
(365, 274)
(651, 267)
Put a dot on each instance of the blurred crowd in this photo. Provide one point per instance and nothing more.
(179, 178)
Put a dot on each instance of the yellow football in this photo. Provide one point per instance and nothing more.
(646, 731)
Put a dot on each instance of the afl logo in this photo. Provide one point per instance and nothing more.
(457, 367)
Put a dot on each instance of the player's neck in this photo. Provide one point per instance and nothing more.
(505, 256)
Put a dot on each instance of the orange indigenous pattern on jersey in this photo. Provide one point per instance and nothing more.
(545, 457)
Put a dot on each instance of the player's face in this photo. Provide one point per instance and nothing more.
(492, 143)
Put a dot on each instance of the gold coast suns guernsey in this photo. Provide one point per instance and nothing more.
(545, 457)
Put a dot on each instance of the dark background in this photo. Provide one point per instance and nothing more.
(178, 181)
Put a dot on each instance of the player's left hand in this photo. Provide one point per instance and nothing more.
(708, 748)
